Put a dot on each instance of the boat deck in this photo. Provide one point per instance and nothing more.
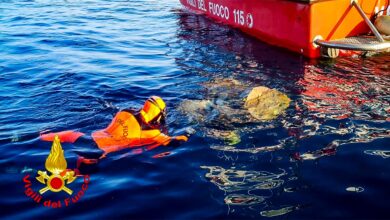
(361, 43)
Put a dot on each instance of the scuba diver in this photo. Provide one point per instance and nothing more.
(140, 130)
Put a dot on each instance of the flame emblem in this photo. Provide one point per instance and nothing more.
(56, 165)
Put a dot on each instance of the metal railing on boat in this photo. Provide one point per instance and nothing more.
(356, 43)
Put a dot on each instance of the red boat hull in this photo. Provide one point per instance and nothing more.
(290, 24)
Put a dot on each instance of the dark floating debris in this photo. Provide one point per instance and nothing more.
(278, 212)
(383, 153)
(241, 199)
(232, 180)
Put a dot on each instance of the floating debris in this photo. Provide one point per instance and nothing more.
(196, 109)
(28, 170)
(190, 131)
(15, 138)
(218, 84)
(253, 150)
(216, 112)
(241, 199)
(269, 184)
(233, 138)
(289, 189)
(231, 180)
(229, 137)
(278, 212)
(355, 189)
(266, 104)
(161, 155)
(312, 155)
(383, 153)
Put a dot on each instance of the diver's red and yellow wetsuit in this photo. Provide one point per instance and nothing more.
(128, 129)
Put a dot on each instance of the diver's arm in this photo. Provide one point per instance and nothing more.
(166, 140)
(65, 136)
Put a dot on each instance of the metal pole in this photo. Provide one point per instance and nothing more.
(372, 27)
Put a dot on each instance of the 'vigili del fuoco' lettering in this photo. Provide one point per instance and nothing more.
(29, 192)
(59, 203)
(78, 196)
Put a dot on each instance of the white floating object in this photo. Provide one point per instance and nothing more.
(383, 153)
(355, 189)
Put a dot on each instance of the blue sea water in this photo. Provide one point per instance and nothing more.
(71, 65)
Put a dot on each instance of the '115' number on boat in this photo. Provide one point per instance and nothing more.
(242, 19)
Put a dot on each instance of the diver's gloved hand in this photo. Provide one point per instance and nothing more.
(181, 138)
(178, 140)
(85, 166)
(184, 137)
